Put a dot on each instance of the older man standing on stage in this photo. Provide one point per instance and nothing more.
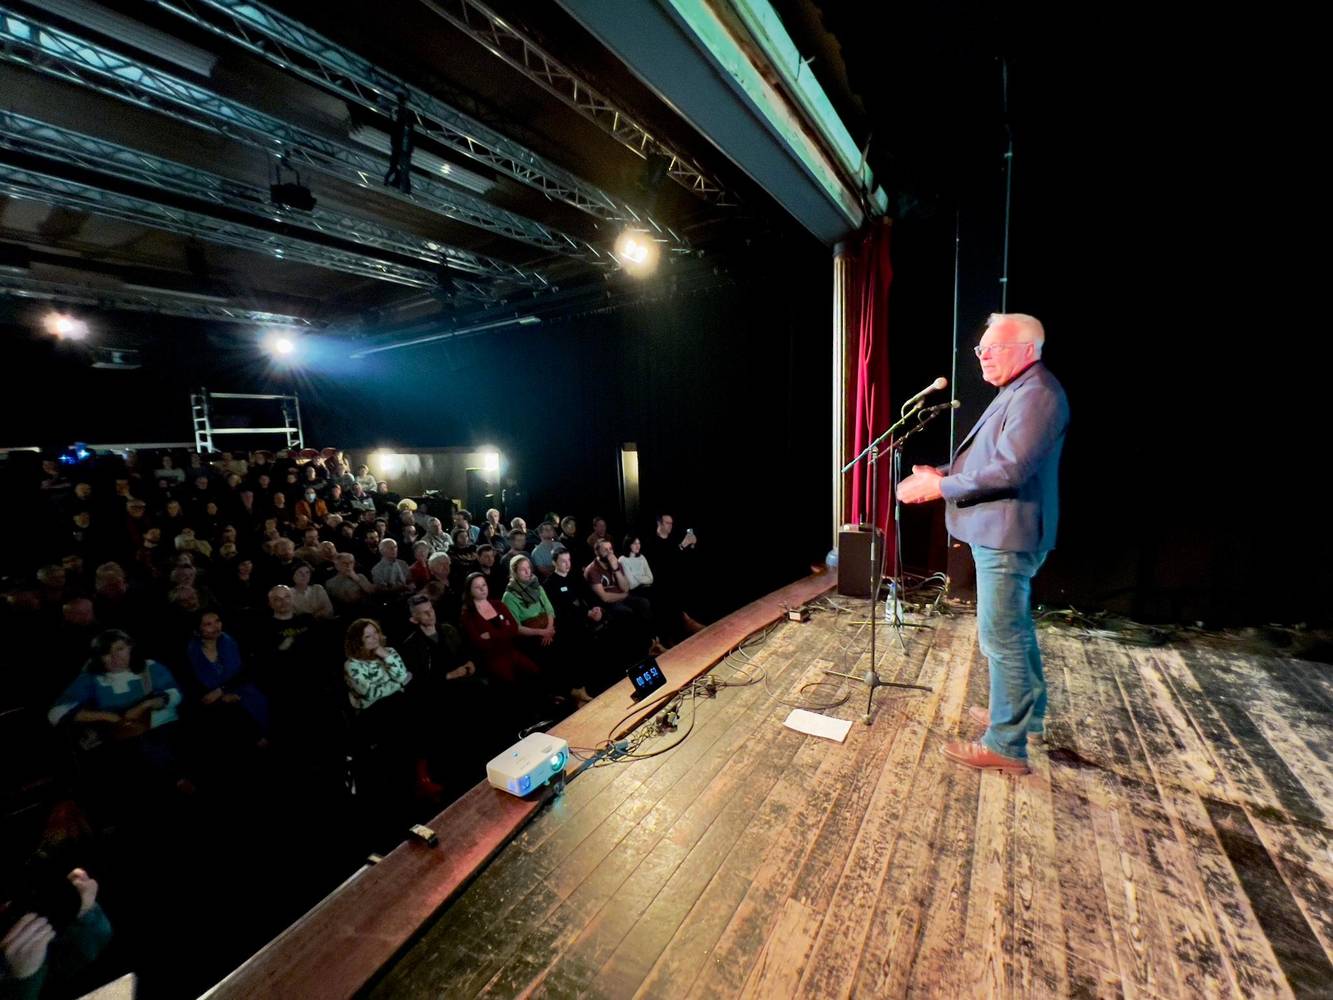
(1002, 499)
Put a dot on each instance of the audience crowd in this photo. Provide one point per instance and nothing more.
(193, 611)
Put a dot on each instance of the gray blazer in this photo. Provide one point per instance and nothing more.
(1001, 486)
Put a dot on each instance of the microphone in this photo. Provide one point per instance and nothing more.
(936, 386)
(930, 411)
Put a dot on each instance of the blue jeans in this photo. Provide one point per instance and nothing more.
(1009, 641)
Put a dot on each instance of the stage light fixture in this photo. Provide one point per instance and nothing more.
(637, 252)
(282, 347)
(62, 326)
(491, 461)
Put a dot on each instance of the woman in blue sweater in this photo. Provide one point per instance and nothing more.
(216, 661)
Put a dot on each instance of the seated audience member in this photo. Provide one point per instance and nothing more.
(495, 532)
(172, 520)
(215, 659)
(449, 700)
(407, 537)
(312, 479)
(527, 600)
(385, 498)
(518, 542)
(491, 630)
(443, 594)
(419, 572)
(543, 555)
(520, 524)
(348, 589)
(569, 538)
(435, 538)
(310, 504)
(167, 470)
(186, 541)
(581, 621)
(636, 566)
(283, 642)
(372, 670)
(377, 681)
(323, 567)
(536, 620)
(115, 604)
(282, 562)
(390, 574)
(242, 592)
(464, 555)
(121, 698)
(599, 533)
(490, 536)
(368, 552)
(41, 960)
(285, 516)
(358, 499)
(309, 598)
(336, 502)
(365, 480)
(489, 566)
(463, 520)
(607, 580)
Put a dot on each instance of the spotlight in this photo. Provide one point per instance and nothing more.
(281, 346)
(65, 327)
(637, 252)
(491, 461)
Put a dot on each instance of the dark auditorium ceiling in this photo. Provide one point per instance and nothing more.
(133, 164)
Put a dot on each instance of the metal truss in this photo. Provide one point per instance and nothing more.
(23, 134)
(20, 287)
(290, 45)
(61, 54)
(35, 186)
(503, 40)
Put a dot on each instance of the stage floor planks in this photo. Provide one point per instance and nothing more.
(1172, 841)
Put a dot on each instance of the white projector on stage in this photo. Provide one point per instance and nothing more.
(529, 763)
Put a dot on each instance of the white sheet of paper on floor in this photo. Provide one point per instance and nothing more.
(818, 725)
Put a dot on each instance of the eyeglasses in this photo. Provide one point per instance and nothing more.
(979, 350)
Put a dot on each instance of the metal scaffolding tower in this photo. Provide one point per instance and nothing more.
(202, 412)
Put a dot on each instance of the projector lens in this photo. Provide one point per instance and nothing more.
(557, 760)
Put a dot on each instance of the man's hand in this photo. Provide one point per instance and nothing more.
(613, 562)
(465, 670)
(689, 541)
(922, 486)
(87, 887)
(24, 947)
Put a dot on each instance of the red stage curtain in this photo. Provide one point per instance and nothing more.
(871, 275)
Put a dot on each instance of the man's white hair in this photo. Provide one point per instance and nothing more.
(1029, 327)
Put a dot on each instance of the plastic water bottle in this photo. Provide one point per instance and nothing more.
(891, 602)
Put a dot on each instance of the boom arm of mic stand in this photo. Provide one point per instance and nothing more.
(898, 424)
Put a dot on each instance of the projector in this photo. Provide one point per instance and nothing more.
(528, 764)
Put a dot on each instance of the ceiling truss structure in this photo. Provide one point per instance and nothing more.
(292, 46)
(64, 55)
(505, 41)
(23, 134)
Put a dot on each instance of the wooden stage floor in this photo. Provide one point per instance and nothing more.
(1172, 841)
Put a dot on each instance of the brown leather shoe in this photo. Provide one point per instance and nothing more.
(981, 716)
(983, 758)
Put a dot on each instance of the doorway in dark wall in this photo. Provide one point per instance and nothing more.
(481, 494)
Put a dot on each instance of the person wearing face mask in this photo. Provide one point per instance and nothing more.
(310, 504)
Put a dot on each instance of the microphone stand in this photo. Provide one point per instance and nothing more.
(871, 678)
